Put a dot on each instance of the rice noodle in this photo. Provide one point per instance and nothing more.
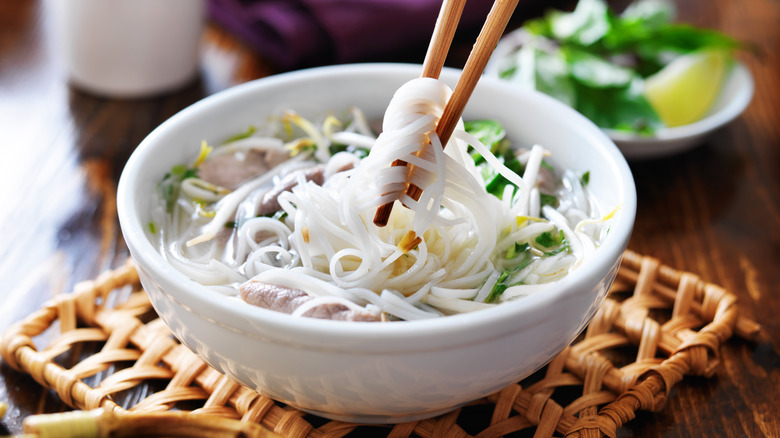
(324, 243)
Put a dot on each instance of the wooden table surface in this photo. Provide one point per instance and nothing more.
(714, 210)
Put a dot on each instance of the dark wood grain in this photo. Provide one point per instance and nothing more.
(714, 210)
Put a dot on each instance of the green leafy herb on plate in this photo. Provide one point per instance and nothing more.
(598, 62)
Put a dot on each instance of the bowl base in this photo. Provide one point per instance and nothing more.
(381, 419)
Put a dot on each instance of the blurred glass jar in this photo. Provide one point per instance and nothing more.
(130, 48)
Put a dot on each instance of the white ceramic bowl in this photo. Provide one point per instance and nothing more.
(374, 372)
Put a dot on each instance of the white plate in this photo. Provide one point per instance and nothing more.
(732, 101)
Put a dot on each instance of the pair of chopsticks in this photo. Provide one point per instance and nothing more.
(443, 32)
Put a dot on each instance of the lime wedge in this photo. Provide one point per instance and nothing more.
(683, 91)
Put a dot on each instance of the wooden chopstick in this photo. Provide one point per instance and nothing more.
(491, 32)
(488, 37)
(443, 32)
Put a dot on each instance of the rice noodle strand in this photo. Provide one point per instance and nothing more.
(469, 243)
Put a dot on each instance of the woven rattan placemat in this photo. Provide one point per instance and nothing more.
(105, 348)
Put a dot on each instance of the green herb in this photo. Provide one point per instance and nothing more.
(178, 170)
(495, 185)
(525, 259)
(170, 183)
(510, 253)
(182, 172)
(596, 60)
(277, 215)
(498, 288)
(492, 134)
(152, 228)
(554, 242)
(516, 249)
(548, 239)
(550, 200)
(585, 178)
(359, 152)
(242, 135)
(558, 250)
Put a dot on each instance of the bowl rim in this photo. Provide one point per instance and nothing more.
(145, 255)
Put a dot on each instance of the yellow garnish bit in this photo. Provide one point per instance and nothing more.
(409, 242)
(207, 213)
(328, 125)
(291, 117)
(522, 219)
(606, 217)
(205, 185)
(611, 214)
(315, 138)
(287, 125)
(297, 146)
(205, 150)
(305, 233)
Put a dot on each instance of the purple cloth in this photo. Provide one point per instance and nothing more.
(301, 33)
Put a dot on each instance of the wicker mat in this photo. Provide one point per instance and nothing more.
(106, 354)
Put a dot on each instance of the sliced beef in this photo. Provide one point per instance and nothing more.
(546, 180)
(340, 312)
(230, 170)
(286, 300)
(272, 297)
(270, 202)
(316, 174)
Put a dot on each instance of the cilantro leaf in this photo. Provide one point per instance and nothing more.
(548, 239)
(554, 243)
(585, 178)
(490, 132)
(524, 258)
(545, 199)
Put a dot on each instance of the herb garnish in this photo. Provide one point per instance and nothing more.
(596, 60)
